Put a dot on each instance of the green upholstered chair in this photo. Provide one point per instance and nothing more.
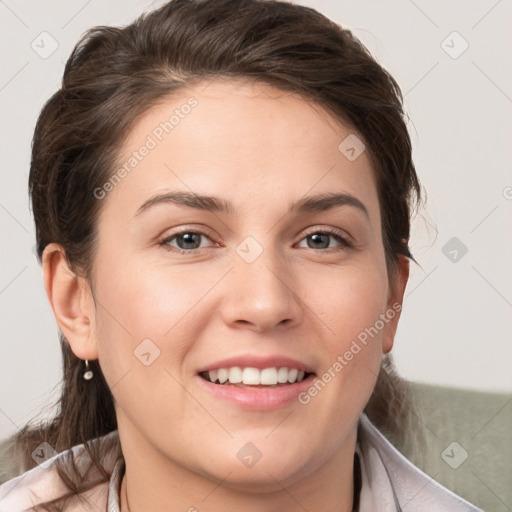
(464, 441)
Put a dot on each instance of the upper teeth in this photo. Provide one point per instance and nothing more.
(254, 376)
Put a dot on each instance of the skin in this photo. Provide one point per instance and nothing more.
(295, 299)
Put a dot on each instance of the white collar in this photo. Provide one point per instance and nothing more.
(391, 483)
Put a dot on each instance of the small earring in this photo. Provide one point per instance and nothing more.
(88, 373)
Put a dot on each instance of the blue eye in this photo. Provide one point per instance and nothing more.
(190, 241)
(187, 241)
(320, 237)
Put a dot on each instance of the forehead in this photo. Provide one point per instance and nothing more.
(239, 138)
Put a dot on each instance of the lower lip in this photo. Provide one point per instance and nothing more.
(257, 399)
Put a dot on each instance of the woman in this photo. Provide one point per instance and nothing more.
(222, 193)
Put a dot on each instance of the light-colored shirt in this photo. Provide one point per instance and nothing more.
(389, 482)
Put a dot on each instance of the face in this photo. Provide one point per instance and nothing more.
(181, 289)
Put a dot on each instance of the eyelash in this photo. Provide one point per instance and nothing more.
(337, 234)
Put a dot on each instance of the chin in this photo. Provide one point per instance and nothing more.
(260, 475)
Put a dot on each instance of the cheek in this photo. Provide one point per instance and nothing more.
(349, 300)
(147, 309)
(149, 300)
(350, 304)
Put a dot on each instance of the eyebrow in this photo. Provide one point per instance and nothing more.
(317, 203)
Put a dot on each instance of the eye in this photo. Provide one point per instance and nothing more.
(320, 239)
(186, 241)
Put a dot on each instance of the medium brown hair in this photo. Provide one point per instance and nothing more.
(115, 74)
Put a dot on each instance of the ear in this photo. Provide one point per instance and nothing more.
(72, 303)
(395, 299)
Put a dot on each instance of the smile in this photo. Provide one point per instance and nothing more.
(249, 376)
(256, 397)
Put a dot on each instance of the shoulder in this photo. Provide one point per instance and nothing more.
(43, 483)
(385, 467)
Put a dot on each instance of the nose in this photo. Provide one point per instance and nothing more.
(262, 295)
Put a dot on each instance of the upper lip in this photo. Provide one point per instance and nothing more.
(253, 361)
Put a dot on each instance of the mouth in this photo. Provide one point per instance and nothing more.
(250, 377)
(256, 382)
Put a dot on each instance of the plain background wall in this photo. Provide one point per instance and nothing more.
(455, 328)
